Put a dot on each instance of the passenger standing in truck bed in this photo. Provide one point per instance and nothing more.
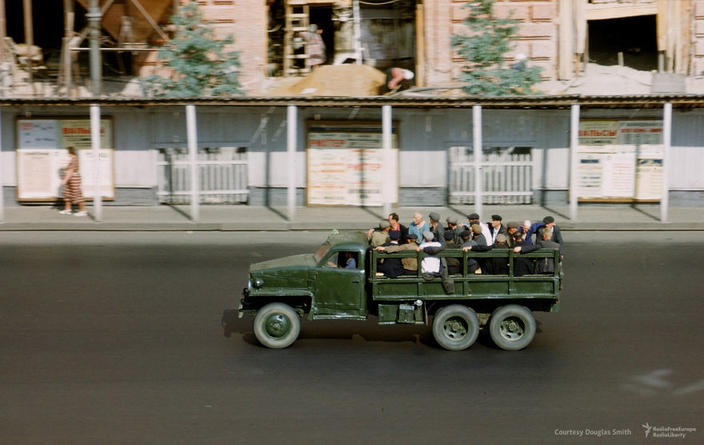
(430, 265)
(546, 265)
(390, 267)
(417, 227)
(380, 235)
(396, 226)
(410, 264)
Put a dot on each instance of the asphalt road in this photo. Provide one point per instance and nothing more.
(115, 338)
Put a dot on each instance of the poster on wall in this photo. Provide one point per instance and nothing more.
(348, 168)
(41, 157)
(76, 133)
(38, 133)
(620, 160)
(105, 162)
(606, 172)
(649, 173)
(620, 132)
(38, 173)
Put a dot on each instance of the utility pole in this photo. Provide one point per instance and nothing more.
(94, 17)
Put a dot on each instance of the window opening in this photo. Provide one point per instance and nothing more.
(635, 37)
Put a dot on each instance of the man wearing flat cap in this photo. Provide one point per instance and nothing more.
(511, 228)
(473, 218)
(496, 228)
(455, 228)
(379, 235)
(549, 224)
(436, 228)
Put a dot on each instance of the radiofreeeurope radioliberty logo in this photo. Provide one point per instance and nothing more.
(647, 429)
(667, 432)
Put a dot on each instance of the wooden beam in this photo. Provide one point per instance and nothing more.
(149, 19)
(3, 31)
(603, 11)
(420, 46)
(69, 18)
(567, 40)
(28, 37)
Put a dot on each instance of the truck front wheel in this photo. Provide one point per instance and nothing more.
(455, 327)
(276, 325)
(512, 327)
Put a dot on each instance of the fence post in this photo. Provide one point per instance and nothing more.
(291, 122)
(95, 148)
(2, 189)
(192, 135)
(477, 147)
(667, 142)
(574, 159)
(386, 143)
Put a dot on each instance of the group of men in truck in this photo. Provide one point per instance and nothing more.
(432, 237)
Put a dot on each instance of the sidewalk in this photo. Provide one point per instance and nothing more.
(614, 217)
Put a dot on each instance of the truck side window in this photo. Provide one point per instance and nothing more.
(343, 260)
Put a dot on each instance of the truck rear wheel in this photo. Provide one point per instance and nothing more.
(512, 327)
(276, 325)
(455, 327)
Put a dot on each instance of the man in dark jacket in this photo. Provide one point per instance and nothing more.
(436, 228)
(390, 267)
(549, 224)
(495, 228)
(522, 266)
(455, 228)
(546, 265)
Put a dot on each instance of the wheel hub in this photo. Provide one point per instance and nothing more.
(455, 329)
(277, 325)
(511, 329)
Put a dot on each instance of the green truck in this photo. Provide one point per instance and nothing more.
(318, 286)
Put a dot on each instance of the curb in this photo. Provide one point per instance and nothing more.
(91, 226)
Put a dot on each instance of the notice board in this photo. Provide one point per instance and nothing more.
(41, 157)
(620, 160)
(346, 165)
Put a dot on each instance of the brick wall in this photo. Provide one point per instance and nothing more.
(246, 21)
(537, 29)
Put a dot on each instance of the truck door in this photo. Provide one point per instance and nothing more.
(339, 287)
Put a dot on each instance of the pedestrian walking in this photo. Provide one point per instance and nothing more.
(71, 183)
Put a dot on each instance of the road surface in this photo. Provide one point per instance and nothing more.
(115, 338)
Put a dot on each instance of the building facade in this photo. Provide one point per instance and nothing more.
(525, 156)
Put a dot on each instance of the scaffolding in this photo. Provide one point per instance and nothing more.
(133, 26)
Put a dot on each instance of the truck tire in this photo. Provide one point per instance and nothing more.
(276, 325)
(512, 327)
(455, 327)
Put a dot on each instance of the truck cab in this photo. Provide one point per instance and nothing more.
(340, 281)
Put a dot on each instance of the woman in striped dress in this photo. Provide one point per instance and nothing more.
(72, 186)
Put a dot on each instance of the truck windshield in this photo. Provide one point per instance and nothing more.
(320, 253)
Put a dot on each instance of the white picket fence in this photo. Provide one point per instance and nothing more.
(507, 175)
(222, 174)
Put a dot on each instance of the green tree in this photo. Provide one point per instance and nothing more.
(198, 62)
(484, 48)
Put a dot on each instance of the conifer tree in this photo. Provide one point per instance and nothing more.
(484, 48)
(198, 62)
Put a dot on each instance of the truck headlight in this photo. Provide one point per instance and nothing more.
(257, 283)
